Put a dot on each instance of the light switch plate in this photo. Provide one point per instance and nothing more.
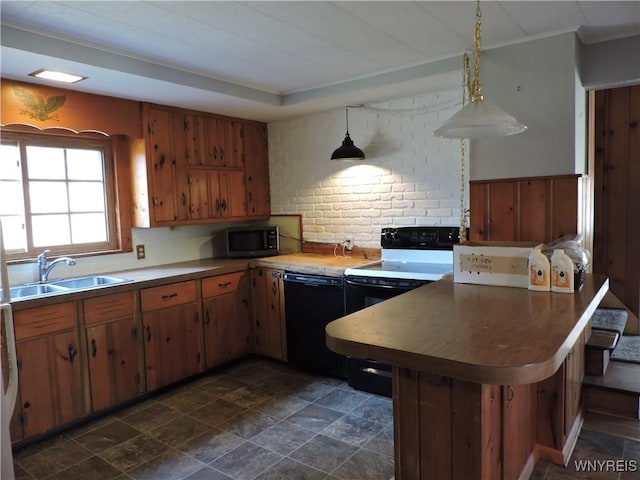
(140, 254)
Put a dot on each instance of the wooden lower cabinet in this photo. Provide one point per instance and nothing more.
(226, 312)
(519, 434)
(172, 333)
(49, 367)
(560, 406)
(268, 313)
(112, 349)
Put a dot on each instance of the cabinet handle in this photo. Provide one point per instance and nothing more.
(224, 285)
(274, 288)
(170, 296)
(148, 333)
(215, 153)
(221, 153)
(162, 160)
(510, 393)
(208, 321)
(223, 204)
(72, 353)
(94, 348)
(217, 204)
(184, 199)
(134, 333)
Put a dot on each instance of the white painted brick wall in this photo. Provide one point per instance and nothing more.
(409, 176)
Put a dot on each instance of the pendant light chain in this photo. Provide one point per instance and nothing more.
(463, 146)
(475, 92)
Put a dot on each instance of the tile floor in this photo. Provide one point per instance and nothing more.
(259, 420)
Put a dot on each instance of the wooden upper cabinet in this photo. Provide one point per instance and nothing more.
(193, 167)
(161, 167)
(257, 170)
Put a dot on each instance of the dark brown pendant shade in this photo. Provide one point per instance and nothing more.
(347, 151)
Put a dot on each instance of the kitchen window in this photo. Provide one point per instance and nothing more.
(57, 192)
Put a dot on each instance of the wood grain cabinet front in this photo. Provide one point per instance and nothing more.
(226, 311)
(49, 367)
(193, 167)
(268, 313)
(112, 349)
(172, 331)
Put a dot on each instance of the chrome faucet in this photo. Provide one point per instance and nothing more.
(45, 268)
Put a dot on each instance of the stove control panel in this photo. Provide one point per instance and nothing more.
(421, 238)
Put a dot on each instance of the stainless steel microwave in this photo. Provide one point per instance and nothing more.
(251, 242)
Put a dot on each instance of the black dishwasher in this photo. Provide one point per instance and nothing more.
(311, 302)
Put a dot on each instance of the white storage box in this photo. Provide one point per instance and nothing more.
(492, 263)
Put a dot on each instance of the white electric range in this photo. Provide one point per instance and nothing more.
(410, 257)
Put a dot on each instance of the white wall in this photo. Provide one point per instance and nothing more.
(536, 82)
(162, 246)
(409, 176)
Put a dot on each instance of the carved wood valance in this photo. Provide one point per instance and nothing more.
(46, 107)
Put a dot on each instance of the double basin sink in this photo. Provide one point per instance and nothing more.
(61, 286)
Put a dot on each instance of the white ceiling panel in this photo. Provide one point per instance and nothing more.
(278, 58)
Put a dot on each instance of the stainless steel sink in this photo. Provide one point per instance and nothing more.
(87, 282)
(23, 291)
(61, 286)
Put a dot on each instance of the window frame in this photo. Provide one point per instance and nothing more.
(65, 139)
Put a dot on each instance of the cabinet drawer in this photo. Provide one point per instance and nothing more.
(44, 320)
(108, 307)
(168, 295)
(214, 286)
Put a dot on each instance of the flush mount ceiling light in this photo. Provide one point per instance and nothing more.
(347, 151)
(480, 118)
(57, 76)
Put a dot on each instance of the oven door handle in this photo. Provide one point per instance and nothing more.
(357, 283)
(376, 371)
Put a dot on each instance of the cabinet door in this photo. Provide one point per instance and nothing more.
(244, 344)
(574, 373)
(172, 344)
(196, 142)
(199, 194)
(236, 201)
(180, 155)
(519, 425)
(50, 381)
(159, 135)
(219, 329)
(256, 169)
(113, 362)
(269, 313)
(218, 193)
(235, 143)
(216, 145)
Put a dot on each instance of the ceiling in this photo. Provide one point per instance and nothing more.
(272, 60)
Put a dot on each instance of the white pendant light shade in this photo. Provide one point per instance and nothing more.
(479, 118)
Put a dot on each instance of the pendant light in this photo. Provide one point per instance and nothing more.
(479, 118)
(347, 151)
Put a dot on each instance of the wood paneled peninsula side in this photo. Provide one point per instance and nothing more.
(486, 379)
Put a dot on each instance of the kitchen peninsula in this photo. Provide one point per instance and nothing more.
(486, 379)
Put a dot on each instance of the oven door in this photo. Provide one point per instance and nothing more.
(363, 292)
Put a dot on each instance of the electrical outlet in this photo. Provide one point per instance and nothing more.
(140, 252)
(348, 244)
